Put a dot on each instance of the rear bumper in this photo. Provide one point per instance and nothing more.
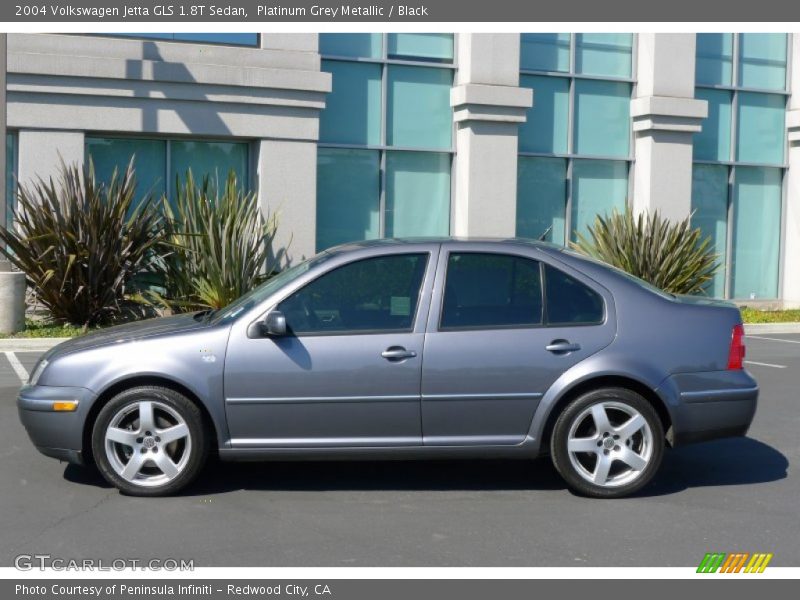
(709, 405)
(55, 434)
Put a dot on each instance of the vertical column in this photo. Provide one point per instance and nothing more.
(40, 153)
(488, 107)
(665, 115)
(791, 247)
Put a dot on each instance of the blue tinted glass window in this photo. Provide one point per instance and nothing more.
(348, 188)
(356, 45)
(352, 113)
(150, 160)
(762, 60)
(599, 186)
(544, 52)
(606, 54)
(570, 302)
(602, 118)
(756, 232)
(710, 214)
(761, 127)
(547, 126)
(208, 159)
(714, 64)
(541, 198)
(236, 39)
(714, 141)
(421, 46)
(419, 114)
(417, 194)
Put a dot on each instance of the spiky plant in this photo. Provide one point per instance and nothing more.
(670, 255)
(82, 243)
(219, 244)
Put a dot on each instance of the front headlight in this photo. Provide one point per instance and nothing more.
(37, 372)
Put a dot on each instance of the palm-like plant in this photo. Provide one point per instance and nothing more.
(81, 243)
(219, 244)
(670, 255)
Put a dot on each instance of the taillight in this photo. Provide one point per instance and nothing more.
(736, 354)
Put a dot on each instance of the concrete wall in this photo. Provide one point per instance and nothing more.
(790, 277)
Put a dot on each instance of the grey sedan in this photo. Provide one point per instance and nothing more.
(435, 348)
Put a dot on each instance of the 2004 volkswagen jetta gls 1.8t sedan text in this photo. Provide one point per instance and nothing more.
(405, 349)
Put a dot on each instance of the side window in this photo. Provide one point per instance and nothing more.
(570, 302)
(370, 295)
(485, 290)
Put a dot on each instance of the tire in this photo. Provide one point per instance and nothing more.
(615, 459)
(149, 441)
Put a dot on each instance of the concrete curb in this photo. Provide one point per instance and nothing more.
(29, 344)
(758, 328)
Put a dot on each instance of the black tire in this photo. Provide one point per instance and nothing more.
(613, 399)
(195, 445)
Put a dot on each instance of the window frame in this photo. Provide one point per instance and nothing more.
(426, 255)
(731, 162)
(121, 36)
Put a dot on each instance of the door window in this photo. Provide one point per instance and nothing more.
(491, 291)
(374, 295)
(569, 302)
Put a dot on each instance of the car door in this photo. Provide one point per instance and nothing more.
(493, 349)
(348, 371)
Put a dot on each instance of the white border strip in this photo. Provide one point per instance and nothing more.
(18, 367)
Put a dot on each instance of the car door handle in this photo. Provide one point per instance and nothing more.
(397, 353)
(562, 347)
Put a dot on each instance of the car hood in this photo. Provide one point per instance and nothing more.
(130, 332)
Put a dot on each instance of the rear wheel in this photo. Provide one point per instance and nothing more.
(149, 441)
(608, 443)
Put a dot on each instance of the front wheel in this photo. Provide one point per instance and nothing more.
(607, 443)
(149, 441)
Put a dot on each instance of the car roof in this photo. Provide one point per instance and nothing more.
(443, 240)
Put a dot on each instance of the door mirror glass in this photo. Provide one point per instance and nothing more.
(275, 324)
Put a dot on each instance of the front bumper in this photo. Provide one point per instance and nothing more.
(709, 405)
(55, 434)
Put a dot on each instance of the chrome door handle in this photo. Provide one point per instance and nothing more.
(397, 353)
(562, 347)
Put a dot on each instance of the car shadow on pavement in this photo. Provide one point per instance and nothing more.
(736, 461)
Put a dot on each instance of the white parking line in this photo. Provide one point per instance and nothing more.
(772, 339)
(18, 367)
(760, 364)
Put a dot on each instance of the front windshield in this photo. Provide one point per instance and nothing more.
(258, 294)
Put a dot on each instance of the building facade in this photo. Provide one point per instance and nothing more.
(358, 136)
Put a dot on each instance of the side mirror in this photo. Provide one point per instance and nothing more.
(275, 324)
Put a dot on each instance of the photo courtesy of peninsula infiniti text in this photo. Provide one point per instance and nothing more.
(414, 349)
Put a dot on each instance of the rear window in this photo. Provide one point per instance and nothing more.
(569, 302)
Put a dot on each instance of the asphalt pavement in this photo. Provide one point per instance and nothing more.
(736, 495)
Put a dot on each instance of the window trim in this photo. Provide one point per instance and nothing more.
(120, 36)
(426, 254)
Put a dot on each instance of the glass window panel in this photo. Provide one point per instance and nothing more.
(544, 52)
(714, 141)
(761, 127)
(419, 114)
(602, 118)
(208, 159)
(710, 214)
(491, 290)
(762, 60)
(569, 302)
(150, 161)
(598, 187)
(756, 232)
(357, 45)
(714, 65)
(607, 54)
(417, 194)
(542, 198)
(546, 127)
(11, 181)
(371, 295)
(352, 113)
(348, 207)
(240, 39)
(425, 46)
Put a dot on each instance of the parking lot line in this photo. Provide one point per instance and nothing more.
(18, 367)
(761, 364)
(772, 339)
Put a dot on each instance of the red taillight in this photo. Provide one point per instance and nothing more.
(736, 354)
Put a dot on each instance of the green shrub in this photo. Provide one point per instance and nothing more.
(670, 255)
(218, 244)
(81, 243)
